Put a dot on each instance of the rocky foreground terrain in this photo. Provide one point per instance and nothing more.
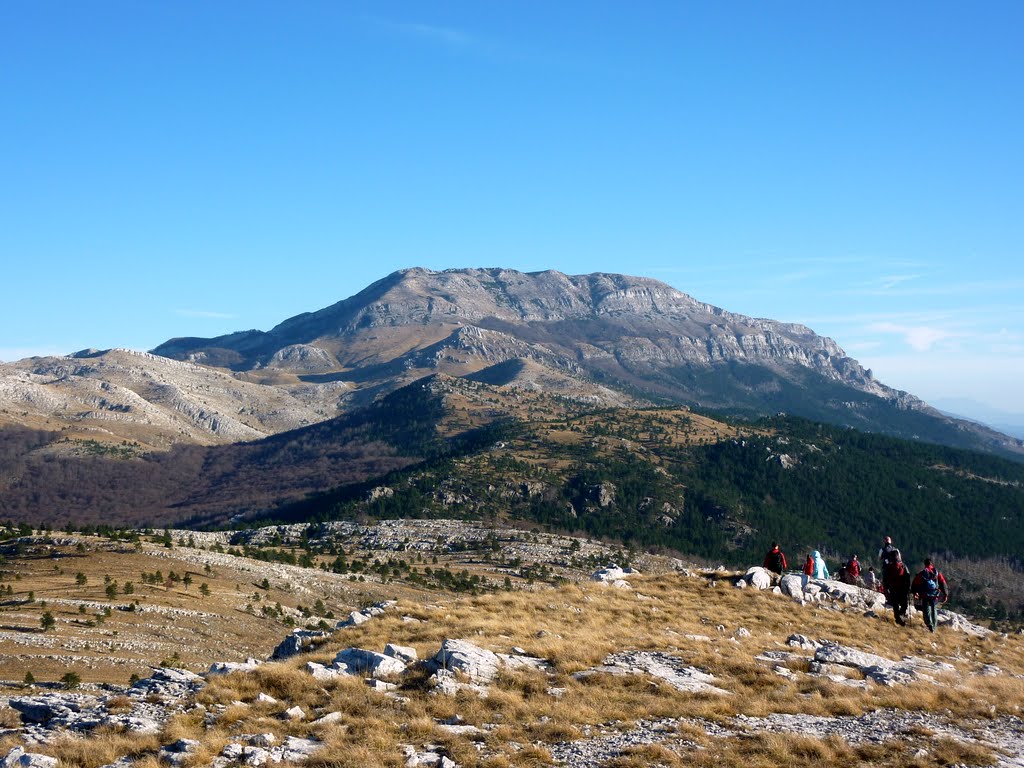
(659, 663)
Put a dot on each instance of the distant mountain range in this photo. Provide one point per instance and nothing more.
(971, 410)
(606, 339)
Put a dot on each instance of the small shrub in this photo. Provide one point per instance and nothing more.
(71, 680)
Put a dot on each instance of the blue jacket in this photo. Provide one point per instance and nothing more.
(820, 569)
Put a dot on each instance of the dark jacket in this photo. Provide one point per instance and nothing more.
(896, 579)
(775, 561)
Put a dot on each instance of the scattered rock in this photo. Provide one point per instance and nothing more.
(371, 663)
(801, 641)
(168, 684)
(476, 663)
(401, 652)
(758, 577)
(613, 575)
(431, 756)
(663, 666)
(178, 752)
(299, 641)
(330, 717)
(958, 623)
(227, 667)
(878, 668)
(19, 758)
(323, 673)
(361, 617)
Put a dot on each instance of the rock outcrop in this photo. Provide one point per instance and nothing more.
(661, 666)
(151, 702)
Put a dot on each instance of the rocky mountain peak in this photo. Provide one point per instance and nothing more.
(634, 335)
(609, 338)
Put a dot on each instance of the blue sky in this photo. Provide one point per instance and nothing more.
(186, 168)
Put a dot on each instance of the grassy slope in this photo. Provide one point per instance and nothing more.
(575, 627)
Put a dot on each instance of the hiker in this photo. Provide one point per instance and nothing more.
(820, 569)
(888, 554)
(896, 588)
(870, 579)
(809, 566)
(775, 560)
(853, 571)
(929, 587)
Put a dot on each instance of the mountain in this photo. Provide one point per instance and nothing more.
(612, 339)
(607, 340)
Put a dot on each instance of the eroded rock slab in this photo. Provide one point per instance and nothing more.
(878, 668)
(360, 661)
(662, 666)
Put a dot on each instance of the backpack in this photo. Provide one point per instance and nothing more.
(890, 555)
(775, 562)
(930, 583)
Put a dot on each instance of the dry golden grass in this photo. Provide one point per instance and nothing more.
(770, 750)
(100, 747)
(9, 718)
(125, 642)
(575, 627)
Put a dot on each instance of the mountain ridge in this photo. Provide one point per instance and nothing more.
(605, 338)
(636, 335)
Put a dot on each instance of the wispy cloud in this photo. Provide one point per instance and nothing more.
(794, 277)
(985, 315)
(450, 37)
(888, 282)
(203, 313)
(919, 337)
(446, 35)
(980, 287)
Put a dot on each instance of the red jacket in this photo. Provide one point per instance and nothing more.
(917, 588)
(775, 557)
